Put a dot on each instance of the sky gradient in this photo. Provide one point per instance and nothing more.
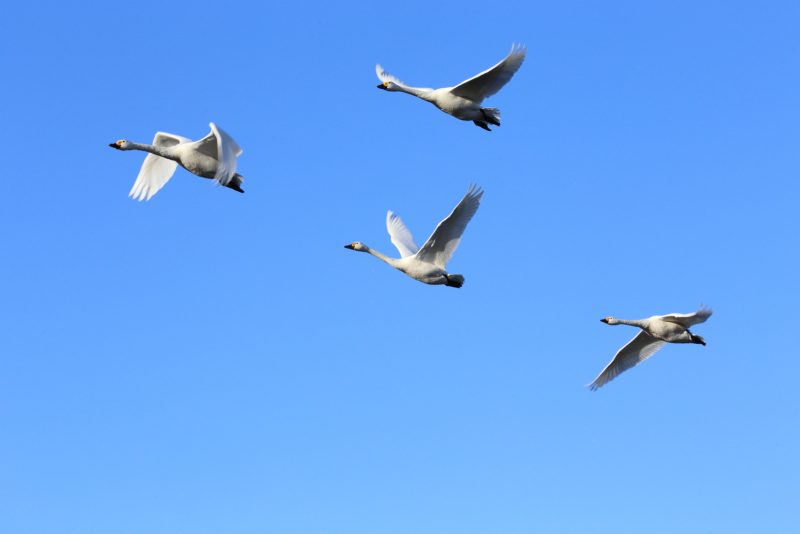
(210, 362)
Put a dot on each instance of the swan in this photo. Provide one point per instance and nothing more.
(656, 331)
(464, 100)
(213, 156)
(427, 264)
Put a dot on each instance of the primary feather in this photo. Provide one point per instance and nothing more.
(491, 80)
(633, 353)
(689, 319)
(444, 240)
(400, 235)
(156, 171)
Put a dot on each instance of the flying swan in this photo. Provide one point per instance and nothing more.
(427, 264)
(464, 100)
(656, 331)
(213, 156)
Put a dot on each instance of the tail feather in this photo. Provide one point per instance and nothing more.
(454, 280)
(492, 115)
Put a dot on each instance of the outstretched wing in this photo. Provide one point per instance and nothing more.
(688, 320)
(490, 81)
(445, 239)
(400, 235)
(385, 76)
(636, 351)
(220, 146)
(156, 171)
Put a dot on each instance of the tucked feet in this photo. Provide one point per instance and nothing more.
(454, 280)
(697, 339)
(491, 115)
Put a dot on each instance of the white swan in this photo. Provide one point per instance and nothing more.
(213, 156)
(464, 100)
(427, 264)
(656, 331)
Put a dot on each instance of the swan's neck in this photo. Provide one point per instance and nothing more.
(419, 92)
(638, 323)
(164, 152)
(387, 259)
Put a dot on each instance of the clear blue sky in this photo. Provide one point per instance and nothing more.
(211, 362)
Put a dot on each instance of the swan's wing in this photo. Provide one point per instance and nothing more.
(636, 351)
(687, 320)
(220, 146)
(156, 171)
(400, 235)
(209, 145)
(490, 81)
(385, 76)
(444, 240)
(228, 150)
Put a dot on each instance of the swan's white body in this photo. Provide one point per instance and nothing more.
(428, 263)
(213, 156)
(463, 101)
(655, 332)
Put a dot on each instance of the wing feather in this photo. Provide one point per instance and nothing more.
(400, 235)
(227, 152)
(492, 80)
(156, 171)
(444, 240)
(385, 76)
(638, 349)
(688, 320)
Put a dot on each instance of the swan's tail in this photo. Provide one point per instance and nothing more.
(491, 115)
(236, 183)
(454, 280)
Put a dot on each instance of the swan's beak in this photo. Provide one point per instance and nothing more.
(114, 145)
(382, 86)
(351, 247)
(604, 320)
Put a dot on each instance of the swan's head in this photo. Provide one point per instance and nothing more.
(609, 320)
(357, 245)
(122, 144)
(388, 86)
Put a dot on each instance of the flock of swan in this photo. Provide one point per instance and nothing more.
(215, 157)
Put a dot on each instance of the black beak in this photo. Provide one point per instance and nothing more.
(604, 320)
(351, 247)
(114, 145)
(381, 86)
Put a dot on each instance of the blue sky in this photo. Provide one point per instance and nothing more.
(210, 362)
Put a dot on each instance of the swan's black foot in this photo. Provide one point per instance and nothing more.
(235, 183)
(489, 118)
(697, 339)
(483, 125)
(453, 280)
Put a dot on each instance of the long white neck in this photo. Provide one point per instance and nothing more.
(387, 259)
(163, 151)
(420, 92)
(638, 323)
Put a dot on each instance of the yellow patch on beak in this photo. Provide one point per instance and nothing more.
(386, 84)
